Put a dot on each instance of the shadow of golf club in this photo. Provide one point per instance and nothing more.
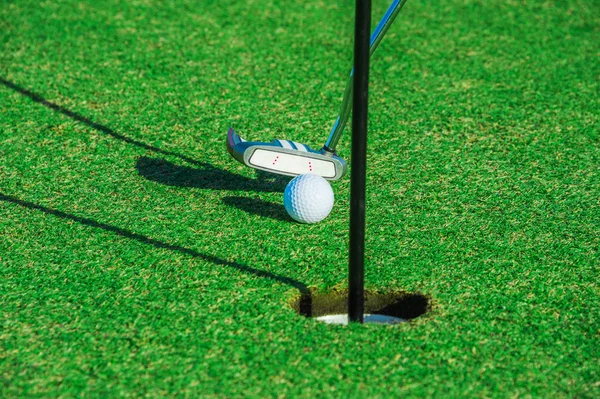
(162, 245)
(165, 172)
(258, 207)
(162, 171)
(88, 122)
(273, 178)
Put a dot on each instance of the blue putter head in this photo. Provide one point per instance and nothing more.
(285, 157)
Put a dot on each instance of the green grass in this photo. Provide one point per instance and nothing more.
(138, 259)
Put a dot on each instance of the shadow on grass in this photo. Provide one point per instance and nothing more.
(161, 171)
(258, 207)
(304, 291)
(165, 172)
(96, 126)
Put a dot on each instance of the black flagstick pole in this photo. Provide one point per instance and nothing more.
(356, 279)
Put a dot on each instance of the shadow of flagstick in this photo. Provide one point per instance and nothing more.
(304, 291)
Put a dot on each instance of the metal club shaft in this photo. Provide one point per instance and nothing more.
(376, 37)
(356, 272)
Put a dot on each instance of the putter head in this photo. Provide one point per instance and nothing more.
(285, 157)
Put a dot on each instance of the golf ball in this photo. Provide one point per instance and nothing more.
(308, 198)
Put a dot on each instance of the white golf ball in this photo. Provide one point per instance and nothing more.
(308, 198)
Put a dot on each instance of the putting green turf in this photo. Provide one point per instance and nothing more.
(137, 258)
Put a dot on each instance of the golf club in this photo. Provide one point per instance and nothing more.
(290, 158)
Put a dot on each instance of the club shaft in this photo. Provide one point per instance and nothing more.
(356, 269)
(376, 37)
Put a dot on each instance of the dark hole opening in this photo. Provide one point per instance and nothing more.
(404, 305)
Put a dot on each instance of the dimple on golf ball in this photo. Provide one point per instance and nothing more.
(308, 198)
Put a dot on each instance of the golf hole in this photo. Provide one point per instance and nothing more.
(380, 307)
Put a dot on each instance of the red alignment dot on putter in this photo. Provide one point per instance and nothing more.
(310, 166)
(276, 158)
